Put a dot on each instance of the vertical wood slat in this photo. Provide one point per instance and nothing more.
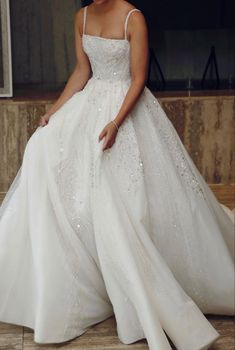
(206, 127)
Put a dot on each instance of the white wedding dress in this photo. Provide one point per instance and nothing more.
(133, 231)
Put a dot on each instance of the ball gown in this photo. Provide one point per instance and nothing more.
(133, 231)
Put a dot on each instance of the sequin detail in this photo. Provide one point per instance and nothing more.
(175, 145)
(109, 58)
(124, 160)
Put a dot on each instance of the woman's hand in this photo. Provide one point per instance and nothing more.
(44, 119)
(109, 132)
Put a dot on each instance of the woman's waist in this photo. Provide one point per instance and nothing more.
(111, 75)
(105, 87)
(113, 80)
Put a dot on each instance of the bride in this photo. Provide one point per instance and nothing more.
(108, 215)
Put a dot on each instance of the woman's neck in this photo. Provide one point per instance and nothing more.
(106, 6)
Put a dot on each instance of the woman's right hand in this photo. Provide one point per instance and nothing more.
(44, 119)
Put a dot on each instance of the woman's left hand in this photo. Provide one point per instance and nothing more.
(109, 132)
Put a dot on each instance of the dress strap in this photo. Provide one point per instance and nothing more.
(126, 21)
(84, 19)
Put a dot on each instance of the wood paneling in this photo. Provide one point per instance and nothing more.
(204, 124)
(206, 127)
(103, 336)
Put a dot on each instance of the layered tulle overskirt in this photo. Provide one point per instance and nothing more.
(133, 231)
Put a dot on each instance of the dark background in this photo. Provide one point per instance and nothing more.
(181, 34)
(187, 14)
(1, 61)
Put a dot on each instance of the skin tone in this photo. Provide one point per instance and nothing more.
(100, 13)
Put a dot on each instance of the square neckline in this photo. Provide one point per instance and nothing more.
(100, 37)
(103, 38)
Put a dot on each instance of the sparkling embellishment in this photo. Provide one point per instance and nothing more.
(124, 159)
(125, 164)
(175, 146)
(113, 62)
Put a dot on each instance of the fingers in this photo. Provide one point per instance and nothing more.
(102, 134)
(42, 122)
(107, 143)
(106, 140)
(109, 135)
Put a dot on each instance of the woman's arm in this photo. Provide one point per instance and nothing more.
(139, 57)
(79, 76)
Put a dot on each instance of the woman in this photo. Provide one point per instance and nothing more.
(108, 214)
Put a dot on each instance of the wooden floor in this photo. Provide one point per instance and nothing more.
(103, 336)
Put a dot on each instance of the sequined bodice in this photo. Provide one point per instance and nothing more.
(109, 58)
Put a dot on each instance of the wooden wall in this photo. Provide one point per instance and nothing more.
(206, 127)
(204, 124)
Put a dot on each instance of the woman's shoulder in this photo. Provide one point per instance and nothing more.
(136, 16)
(127, 6)
(79, 16)
(79, 13)
(124, 5)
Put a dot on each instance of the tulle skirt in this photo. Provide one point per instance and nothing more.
(133, 231)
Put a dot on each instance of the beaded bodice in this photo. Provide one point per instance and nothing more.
(109, 58)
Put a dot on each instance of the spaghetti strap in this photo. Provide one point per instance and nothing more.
(126, 21)
(84, 19)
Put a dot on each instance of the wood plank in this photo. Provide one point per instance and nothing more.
(224, 193)
(205, 126)
(11, 337)
(103, 336)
